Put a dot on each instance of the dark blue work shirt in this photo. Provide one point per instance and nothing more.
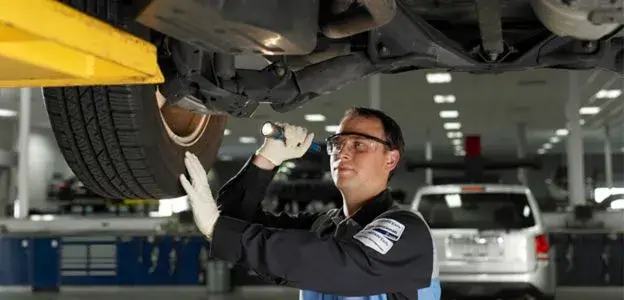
(381, 252)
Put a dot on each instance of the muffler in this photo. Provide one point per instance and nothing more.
(379, 13)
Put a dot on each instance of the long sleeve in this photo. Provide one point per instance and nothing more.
(392, 254)
(241, 197)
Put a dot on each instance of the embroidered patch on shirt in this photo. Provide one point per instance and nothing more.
(374, 240)
(381, 234)
(391, 229)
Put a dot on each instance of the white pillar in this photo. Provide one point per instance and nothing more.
(428, 157)
(22, 207)
(608, 158)
(374, 91)
(521, 151)
(574, 143)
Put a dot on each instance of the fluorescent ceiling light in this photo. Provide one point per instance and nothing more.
(561, 132)
(7, 113)
(589, 110)
(608, 94)
(247, 139)
(227, 132)
(582, 122)
(449, 114)
(457, 142)
(547, 146)
(331, 128)
(444, 99)
(454, 135)
(438, 77)
(541, 151)
(554, 139)
(315, 118)
(459, 147)
(460, 153)
(452, 126)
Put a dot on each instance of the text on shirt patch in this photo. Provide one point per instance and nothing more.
(392, 229)
(380, 234)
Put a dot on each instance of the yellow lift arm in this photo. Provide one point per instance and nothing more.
(44, 43)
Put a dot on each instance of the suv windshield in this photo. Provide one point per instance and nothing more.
(477, 210)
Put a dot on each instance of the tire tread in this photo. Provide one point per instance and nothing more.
(96, 130)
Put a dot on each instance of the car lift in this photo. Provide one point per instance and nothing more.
(473, 165)
(45, 43)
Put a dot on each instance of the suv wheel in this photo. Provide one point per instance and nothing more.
(122, 141)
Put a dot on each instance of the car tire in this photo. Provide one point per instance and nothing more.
(121, 141)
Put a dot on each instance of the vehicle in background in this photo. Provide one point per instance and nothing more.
(489, 239)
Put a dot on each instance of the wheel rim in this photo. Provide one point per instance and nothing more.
(183, 127)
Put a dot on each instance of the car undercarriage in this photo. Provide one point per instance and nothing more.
(357, 38)
(129, 140)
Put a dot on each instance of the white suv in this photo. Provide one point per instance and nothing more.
(489, 239)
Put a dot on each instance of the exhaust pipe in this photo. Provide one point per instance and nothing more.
(380, 12)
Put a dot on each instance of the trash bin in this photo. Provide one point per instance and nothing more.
(218, 276)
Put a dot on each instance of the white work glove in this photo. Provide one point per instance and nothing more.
(298, 140)
(205, 210)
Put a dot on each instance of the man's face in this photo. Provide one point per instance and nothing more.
(357, 160)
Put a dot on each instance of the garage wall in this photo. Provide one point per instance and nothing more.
(8, 133)
(44, 155)
(45, 159)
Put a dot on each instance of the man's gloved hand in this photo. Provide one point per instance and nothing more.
(205, 210)
(298, 140)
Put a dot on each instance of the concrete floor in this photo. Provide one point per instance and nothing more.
(252, 293)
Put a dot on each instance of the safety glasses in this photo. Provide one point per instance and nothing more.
(354, 141)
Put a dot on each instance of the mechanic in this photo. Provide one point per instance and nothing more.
(368, 249)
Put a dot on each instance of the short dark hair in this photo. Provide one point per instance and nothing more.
(392, 130)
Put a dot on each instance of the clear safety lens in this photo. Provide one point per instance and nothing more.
(357, 144)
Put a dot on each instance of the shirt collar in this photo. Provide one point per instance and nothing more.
(373, 208)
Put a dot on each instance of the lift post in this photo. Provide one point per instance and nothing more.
(45, 43)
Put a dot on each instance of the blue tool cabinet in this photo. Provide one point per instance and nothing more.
(14, 261)
(43, 255)
(48, 263)
(589, 259)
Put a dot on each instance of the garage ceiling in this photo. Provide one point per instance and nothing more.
(491, 106)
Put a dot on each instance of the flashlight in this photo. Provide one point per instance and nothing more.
(274, 131)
